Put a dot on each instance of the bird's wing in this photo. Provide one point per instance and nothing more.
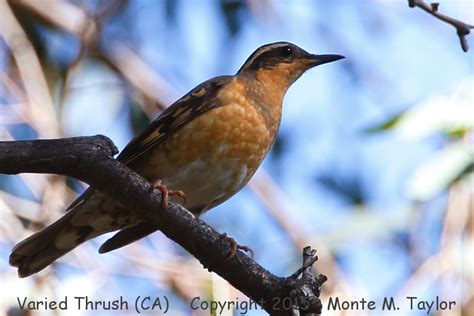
(127, 236)
(198, 101)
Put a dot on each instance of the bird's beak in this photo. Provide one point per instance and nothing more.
(316, 60)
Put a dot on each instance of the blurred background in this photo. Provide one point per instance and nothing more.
(372, 167)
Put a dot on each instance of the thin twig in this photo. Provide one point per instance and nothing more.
(462, 29)
(72, 19)
(31, 73)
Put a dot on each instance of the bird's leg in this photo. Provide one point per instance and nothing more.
(234, 246)
(166, 193)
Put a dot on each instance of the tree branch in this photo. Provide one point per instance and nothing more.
(90, 159)
(462, 29)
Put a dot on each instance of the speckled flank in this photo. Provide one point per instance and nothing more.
(226, 144)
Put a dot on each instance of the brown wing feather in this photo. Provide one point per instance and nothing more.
(198, 101)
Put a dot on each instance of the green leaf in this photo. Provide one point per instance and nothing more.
(451, 164)
(451, 113)
(383, 126)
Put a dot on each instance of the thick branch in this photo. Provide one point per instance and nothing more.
(462, 29)
(90, 159)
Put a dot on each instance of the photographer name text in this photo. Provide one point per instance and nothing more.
(391, 304)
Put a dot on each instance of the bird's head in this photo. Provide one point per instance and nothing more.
(282, 63)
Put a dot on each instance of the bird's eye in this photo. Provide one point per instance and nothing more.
(286, 51)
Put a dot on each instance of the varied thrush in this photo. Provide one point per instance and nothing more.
(208, 144)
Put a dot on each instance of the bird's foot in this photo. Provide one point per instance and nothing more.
(234, 246)
(166, 193)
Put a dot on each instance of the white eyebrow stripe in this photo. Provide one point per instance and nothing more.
(261, 51)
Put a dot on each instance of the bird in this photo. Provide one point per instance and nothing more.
(207, 144)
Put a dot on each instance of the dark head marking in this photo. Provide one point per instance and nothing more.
(270, 55)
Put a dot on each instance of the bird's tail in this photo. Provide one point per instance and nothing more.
(42, 248)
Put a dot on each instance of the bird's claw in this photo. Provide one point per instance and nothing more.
(234, 246)
(166, 193)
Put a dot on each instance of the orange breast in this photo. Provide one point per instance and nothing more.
(216, 154)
